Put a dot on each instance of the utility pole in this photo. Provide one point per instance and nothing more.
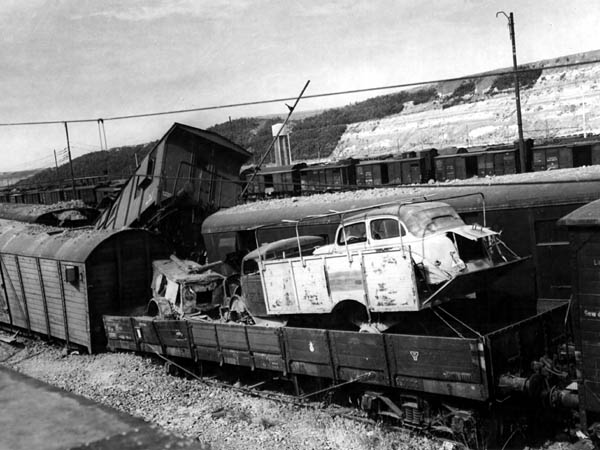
(511, 28)
(57, 174)
(70, 162)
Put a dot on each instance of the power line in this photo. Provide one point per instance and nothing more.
(279, 100)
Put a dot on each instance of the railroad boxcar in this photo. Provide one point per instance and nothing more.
(371, 173)
(564, 154)
(500, 160)
(277, 181)
(525, 213)
(455, 164)
(583, 227)
(198, 166)
(59, 283)
(418, 167)
(328, 176)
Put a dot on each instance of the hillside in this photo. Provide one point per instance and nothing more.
(555, 103)
(115, 163)
(474, 111)
(8, 178)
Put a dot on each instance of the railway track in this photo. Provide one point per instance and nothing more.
(324, 405)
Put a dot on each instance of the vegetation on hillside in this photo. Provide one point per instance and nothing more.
(526, 79)
(114, 163)
(317, 136)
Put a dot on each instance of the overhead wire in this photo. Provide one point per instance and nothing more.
(523, 69)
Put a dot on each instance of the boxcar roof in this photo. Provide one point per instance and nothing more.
(511, 191)
(44, 214)
(587, 215)
(40, 241)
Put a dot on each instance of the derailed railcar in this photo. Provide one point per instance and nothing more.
(59, 283)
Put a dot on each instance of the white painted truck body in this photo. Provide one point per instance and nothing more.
(392, 259)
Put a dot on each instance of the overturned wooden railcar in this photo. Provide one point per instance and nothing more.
(60, 283)
(187, 175)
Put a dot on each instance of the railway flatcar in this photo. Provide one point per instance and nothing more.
(59, 283)
(471, 381)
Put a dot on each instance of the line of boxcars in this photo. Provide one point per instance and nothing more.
(418, 167)
(90, 190)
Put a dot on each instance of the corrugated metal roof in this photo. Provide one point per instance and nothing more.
(53, 243)
(45, 214)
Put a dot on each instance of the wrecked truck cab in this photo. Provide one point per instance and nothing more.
(384, 261)
(438, 241)
(183, 288)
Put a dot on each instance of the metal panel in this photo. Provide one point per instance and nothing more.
(279, 288)
(390, 280)
(311, 285)
(345, 278)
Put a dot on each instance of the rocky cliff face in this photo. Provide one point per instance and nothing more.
(562, 102)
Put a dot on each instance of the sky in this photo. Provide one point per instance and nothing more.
(66, 60)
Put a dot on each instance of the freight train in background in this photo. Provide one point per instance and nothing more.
(415, 167)
(472, 366)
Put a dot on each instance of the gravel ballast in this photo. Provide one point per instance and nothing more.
(217, 417)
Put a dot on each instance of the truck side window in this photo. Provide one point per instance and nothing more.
(386, 229)
(249, 266)
(355, 233)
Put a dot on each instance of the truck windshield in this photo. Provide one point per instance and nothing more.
(386, 229)
(353, 234)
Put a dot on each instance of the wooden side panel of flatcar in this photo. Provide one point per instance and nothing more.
(360, 356)
(439, 365)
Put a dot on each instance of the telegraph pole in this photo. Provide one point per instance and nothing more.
(57, 174)
(511, 28)
(70, 163)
